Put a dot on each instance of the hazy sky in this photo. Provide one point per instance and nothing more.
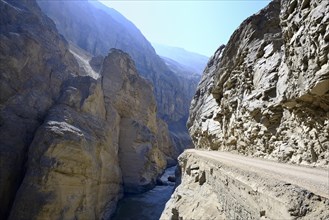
(198, 26)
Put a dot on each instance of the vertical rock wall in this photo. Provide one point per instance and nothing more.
(34, 63)
(141, 159)
(66, 133)
(266, 94)
(73, 169)
(96, 28)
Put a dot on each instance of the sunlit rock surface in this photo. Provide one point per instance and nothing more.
(65, 135)
(266, 93)
(96, 28)
(141, 159)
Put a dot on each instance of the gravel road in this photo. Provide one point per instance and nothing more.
(315, 180)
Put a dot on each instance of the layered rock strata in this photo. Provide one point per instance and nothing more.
(211, 189)
(266, 92)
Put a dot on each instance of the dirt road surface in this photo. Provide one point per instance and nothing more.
(315, 180)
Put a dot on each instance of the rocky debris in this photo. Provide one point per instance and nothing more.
(212, 189)
(266, 92)
(63, 127)
(88, 64)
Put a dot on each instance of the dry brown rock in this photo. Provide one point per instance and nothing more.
(166, 143)
(95, 139)
(266, 94)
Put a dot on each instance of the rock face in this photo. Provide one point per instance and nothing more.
(34, 63)
(67, 134)
(266, 93)
(73, 169)
(140, 157)
(96, 28)
(212, 189)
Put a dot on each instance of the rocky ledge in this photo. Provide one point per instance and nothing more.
(214, 188)
(265, 95)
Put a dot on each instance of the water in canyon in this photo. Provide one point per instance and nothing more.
(148, 205)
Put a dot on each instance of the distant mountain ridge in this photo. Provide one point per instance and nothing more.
(191, 61)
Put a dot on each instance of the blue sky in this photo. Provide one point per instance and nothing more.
(198, 26)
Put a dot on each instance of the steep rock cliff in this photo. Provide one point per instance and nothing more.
(96, 28)
(141, 159)
(64, 132)
(266, 93)
(73, 168)
(82, 155)
(34, 63)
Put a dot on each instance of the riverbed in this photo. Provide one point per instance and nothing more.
(148, 205)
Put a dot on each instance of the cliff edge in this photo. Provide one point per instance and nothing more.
(266, 93)
(73, 137)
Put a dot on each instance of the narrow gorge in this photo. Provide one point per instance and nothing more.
(72, 124)
(94, 118)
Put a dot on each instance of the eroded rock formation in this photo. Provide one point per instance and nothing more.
(68, 128)
(139, 139)
(96, 28)
(34, 63)
(266, 92)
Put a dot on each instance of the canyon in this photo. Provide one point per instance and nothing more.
(264, 95)
(96, 29)
(71, 123)
(90, 115)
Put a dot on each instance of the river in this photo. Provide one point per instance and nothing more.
(148, 205)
